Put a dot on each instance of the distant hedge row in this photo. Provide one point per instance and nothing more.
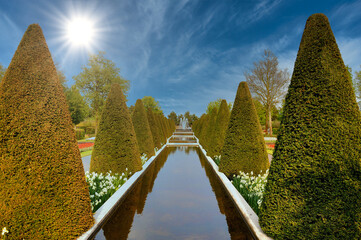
(123, 137)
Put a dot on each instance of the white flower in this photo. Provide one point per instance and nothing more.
(4, 231)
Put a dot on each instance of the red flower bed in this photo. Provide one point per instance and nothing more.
(85, 145)
(270, 145)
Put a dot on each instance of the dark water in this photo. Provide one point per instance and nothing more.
(178, 198)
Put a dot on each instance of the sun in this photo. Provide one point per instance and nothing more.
(80, 31)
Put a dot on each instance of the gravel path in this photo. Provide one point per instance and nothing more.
(86, 162)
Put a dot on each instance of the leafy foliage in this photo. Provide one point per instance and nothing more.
(115, 148)
(96, 79)
(174, 117)
(149, 102)
(78, 108)
(314, 184)
(216, 104)
(44, 193)
(244, 147)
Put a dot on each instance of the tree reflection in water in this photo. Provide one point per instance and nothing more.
(191, 211)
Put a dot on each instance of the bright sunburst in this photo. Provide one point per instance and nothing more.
(80, 31)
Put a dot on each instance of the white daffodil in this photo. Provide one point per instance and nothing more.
(5, 231)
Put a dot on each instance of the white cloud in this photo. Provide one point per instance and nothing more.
(350, 51)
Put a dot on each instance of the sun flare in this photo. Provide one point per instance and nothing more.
(80, 31)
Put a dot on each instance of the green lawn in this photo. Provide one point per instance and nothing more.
(84, 140)
(86, 153)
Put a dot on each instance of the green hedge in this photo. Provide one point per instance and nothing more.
(244, 147)
(154, 127)
(43, 192)
(80, 134)
(115, 146)
(209, 135)
(220, 129)
(314, 183)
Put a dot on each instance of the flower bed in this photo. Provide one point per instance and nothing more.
(249, 186)
(102, 187)
(83, 145)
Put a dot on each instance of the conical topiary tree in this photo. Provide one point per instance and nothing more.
(209, 134)
(244, 147)
(195, 126)
(161, 128)
(43, 191)
(198, 128)
(142, 129)
(220, 129)
(115, 148)
(203, 131)
(154, 127)
(314, 184)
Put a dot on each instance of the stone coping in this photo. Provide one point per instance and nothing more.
(249, 216)
(107, 209)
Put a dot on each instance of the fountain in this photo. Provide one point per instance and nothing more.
(183, 122)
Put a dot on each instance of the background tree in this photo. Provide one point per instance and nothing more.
(149, 102)
(190, 117)
(2, 71)
(174, 117)
(268, 83)
(356, 81)
(216, 104)
(95, 80)
(78, 108)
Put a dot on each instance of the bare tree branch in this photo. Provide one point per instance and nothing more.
(268, 83)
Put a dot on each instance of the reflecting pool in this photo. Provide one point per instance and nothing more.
(179, 197)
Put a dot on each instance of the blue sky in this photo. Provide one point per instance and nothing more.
(184, 53)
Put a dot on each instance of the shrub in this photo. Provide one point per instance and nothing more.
(115, 148)
(314, 183)
(220, 129)
(154, 127)
(80, 134)
(159, 121)
(203, 131)
(244, 147)
(142, 129)
(210, 133)
(43, 189)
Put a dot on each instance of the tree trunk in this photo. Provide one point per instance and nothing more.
(269, 120)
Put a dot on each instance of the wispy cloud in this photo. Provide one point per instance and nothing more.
(351, 51)
(347, 13)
